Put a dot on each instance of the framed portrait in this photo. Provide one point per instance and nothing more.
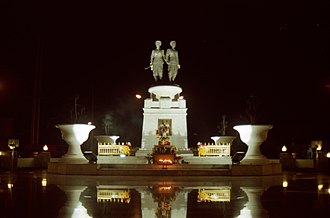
(167, 123)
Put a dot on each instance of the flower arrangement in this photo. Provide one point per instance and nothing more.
(125, 149)
(164, 145)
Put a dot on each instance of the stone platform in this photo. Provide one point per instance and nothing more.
(170, 170)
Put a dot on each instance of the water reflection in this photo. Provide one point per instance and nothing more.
(38, 194)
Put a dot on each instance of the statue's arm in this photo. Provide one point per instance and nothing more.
(152, 57)
(163, 55)
(167, 57)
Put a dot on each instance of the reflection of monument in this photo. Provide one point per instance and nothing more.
(163, 195)
(165, 113)
(164, 201)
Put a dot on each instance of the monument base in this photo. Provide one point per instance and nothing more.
(143, 152)
(72, 169)
(122, 160)
(208, 160)
(256, 170)
(148, 152)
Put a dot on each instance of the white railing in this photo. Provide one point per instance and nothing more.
(214, 195)
(106, 149)
(214, 150)
(120, 196)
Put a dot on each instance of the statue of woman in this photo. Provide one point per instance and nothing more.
(157, 61)
(172, 60)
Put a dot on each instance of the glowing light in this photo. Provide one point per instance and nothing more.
(328, 155)
(138, 96)
(165, 161)
(285, 184)
(13, 143)
(319, 147)
(10, 185)
(89, 123)
(45, 148)
(165, 188)
(44, 182)
(284, 148)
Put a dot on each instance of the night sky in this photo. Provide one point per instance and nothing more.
(277, 51)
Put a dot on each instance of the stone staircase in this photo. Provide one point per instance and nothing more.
(164, 170)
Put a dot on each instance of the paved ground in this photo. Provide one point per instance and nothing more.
(40, 194)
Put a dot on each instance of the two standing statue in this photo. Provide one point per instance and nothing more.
(171, 58)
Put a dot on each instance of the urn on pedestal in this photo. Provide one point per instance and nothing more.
(74, 135)
(253, 136)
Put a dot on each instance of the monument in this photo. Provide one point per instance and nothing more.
(165, 107)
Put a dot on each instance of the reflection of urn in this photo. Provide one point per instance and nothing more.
(253, 208)
(73, 207)
(253, 136)
(74, 135)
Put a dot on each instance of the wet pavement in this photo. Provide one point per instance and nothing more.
(40, 194)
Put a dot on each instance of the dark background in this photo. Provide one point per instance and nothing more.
(277, 51)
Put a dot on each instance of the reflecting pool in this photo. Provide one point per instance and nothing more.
(38, 194)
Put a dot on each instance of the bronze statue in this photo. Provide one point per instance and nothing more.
(157, 61)
(172, 60)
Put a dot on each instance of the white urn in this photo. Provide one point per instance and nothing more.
(223, 140)
(109, 139)
(253, 136)
(215, 139)
(74, 135)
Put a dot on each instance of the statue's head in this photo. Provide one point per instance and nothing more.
(158, 43)
(173, 43)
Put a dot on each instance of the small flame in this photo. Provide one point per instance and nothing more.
(45, 148)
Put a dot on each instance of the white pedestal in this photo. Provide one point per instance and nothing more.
(166, 104)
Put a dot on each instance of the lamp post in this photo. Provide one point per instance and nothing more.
(328, 157)
(12, 144)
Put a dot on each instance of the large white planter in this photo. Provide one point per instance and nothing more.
(74, 135)
(253, 136)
